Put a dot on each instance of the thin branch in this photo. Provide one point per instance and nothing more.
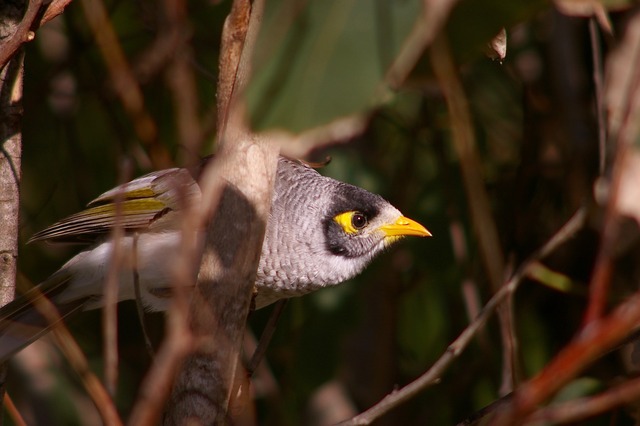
(580, 409)
(483, 224)
(181, 81)
(599, 334)
(232, 45)
(124, 82)
(138, 294)
(13, 412)
(510, 346)
(55, 8)
(596, 339)
(465, 146)
(111, 290)
(179, 340)
(159, 54)
(78, 361)
(23, 32)
(427, 26)
(481, 215)
(596, 54)
(340, 130)
(623, 79)
(432, 376)
(266, 336)
(344, 129)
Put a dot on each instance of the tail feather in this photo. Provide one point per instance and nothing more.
(32, 315)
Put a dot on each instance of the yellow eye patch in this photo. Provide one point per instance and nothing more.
(351, 222)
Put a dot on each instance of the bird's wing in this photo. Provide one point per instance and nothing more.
(136, 205)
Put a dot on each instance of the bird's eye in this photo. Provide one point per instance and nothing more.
(358, 220)
(352, 221)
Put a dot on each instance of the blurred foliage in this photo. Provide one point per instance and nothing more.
(536, 135)
(309, 54)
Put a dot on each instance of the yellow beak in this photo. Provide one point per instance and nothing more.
(405, 226)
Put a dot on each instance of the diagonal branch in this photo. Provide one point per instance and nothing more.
(432, 376)
(23, 31)
(124, 82)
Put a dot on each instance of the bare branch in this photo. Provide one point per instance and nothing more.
(582, 408)
(13, 412)
(124, 82)
(78, 361)
(622, 92)
(236, 192)
(427, 26)
(340, 130)
(266, 336)
(432, 376)
(464, 144)
(181, 80)
(22, 33)
(234, 33)
(596, 54)
(179, 340)
(599, 334)
(343, 129)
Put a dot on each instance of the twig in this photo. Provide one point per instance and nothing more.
(23, 32)
(483, 224)
(55, 8)
(160, 53)
(266, 336)
(432, 375)
(592, 342)
(136, 289)
(623, 125)
(179, 340)
(596, 55)
(112, 289)
(598, 334)
(181, 81)
(582, 408)
(340, 130)
(346, 128)
(124, 83)
(510, 346)
(13, 412)
(157, 384)
(464, 144)
(236, 192)
(424, 31)
(231, 51)
(78, 361)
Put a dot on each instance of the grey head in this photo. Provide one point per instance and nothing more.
(322, 232)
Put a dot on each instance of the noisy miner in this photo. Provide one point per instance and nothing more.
(320, 233)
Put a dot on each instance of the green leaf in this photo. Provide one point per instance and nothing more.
(319, 60)
(557, 281)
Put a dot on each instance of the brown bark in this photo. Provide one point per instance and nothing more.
(211, 388)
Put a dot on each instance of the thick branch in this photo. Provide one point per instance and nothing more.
(236, 190)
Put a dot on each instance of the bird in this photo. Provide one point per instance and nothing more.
(320, 233)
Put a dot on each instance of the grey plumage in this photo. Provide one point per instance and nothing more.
(321, 232)
(296, 257)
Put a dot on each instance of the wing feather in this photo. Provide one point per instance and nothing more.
(135, 206)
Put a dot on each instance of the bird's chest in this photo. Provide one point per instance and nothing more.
(296, 274)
